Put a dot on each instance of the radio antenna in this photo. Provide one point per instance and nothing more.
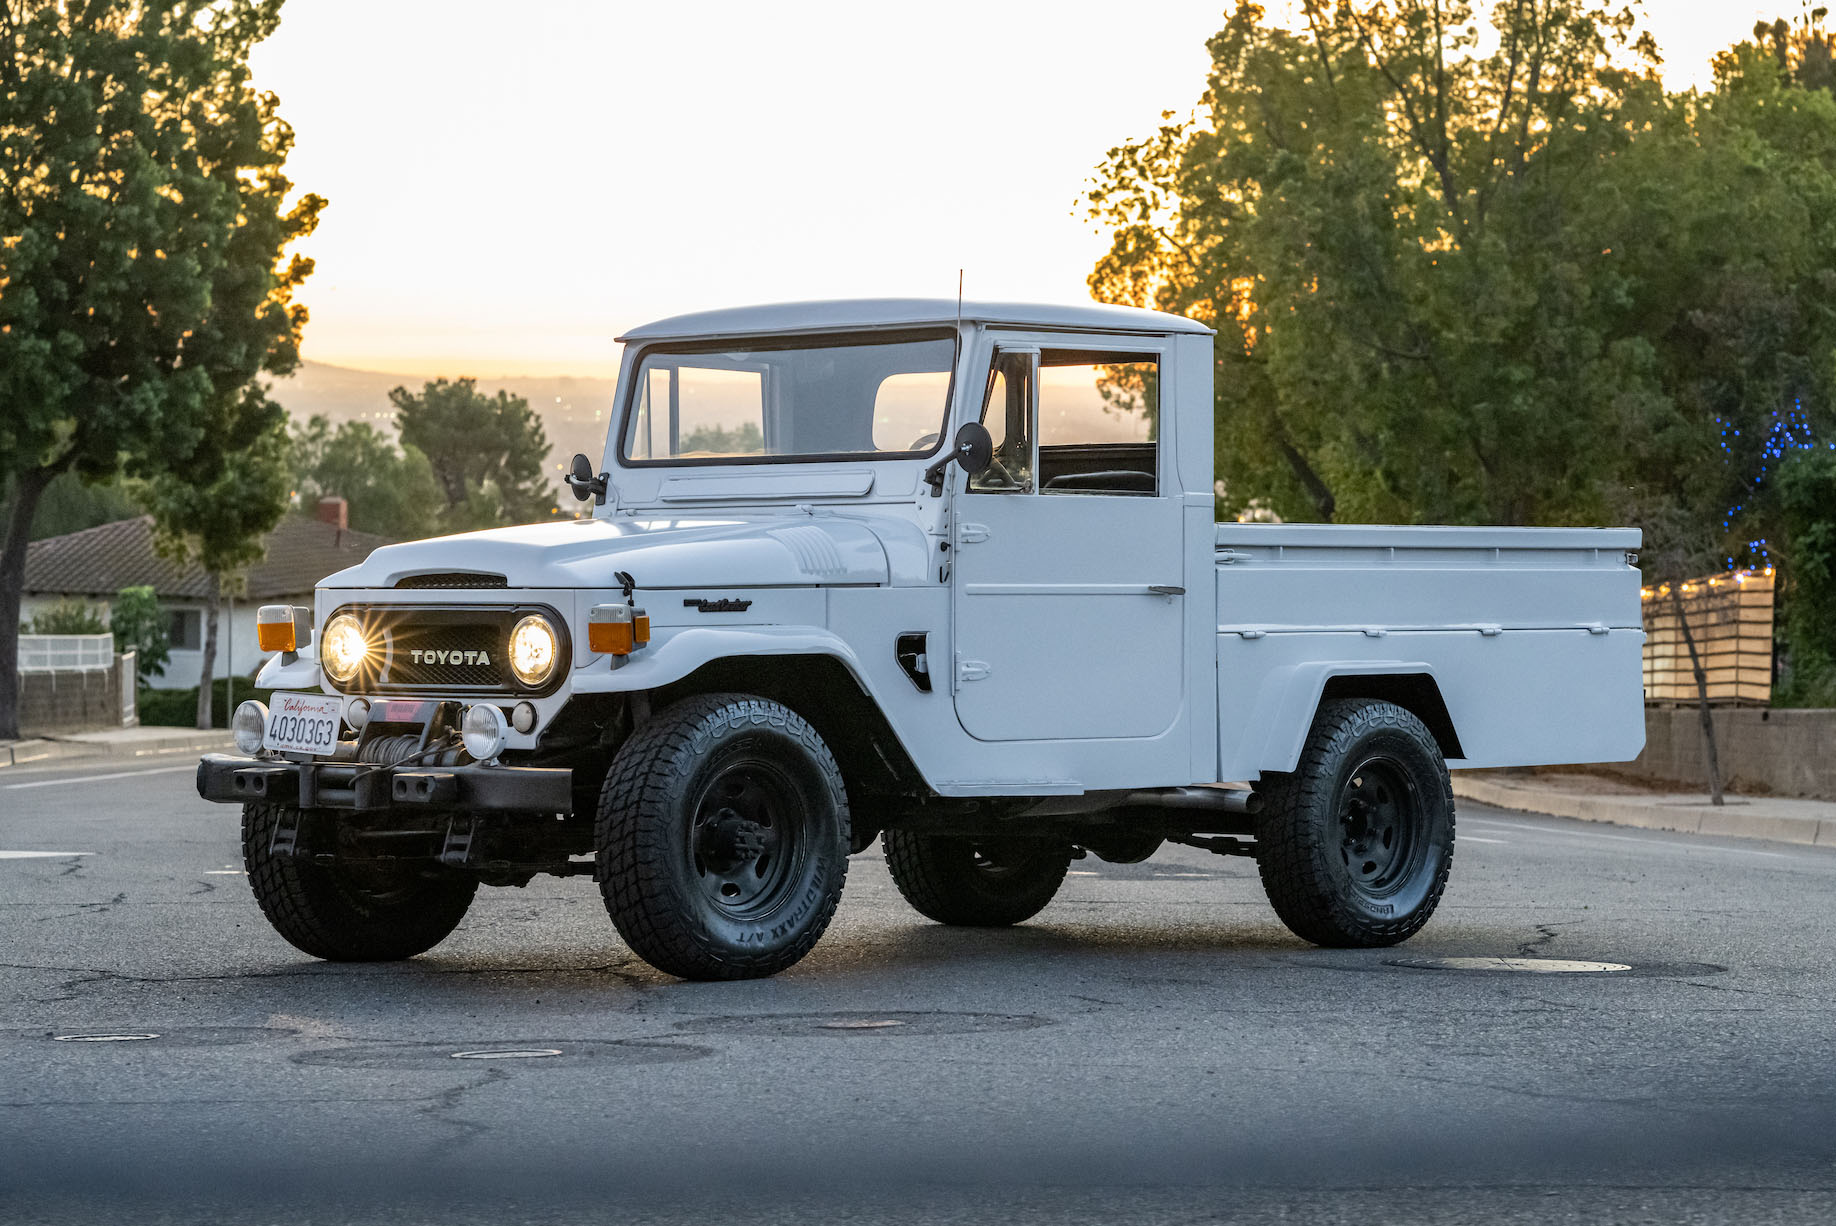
(959, 302)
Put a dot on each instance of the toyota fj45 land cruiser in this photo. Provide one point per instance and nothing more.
(939, 573)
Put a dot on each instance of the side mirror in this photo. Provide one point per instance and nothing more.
(973, 449)
(585, 485)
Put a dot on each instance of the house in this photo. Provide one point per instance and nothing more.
(98, 562)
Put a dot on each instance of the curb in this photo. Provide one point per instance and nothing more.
(1683, 816)
(46, 750)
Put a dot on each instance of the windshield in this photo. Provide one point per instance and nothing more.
(811, 398)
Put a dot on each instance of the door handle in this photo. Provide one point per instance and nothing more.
(1165, 589)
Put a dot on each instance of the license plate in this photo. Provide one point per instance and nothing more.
(303, 723)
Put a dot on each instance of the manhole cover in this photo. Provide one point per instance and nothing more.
(165, 1036)
(783, 1025)
(545, 1053)
(1533, 966)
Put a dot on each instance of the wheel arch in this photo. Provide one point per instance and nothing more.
(826, 691)
(1410, 685)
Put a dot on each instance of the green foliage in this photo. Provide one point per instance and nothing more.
(71, 615)
(178, 708)
(71, 504)
(488, 453)
(391, 490)
(1492, 277)
(1807, 496)
(143, 220)
(743, 439)
(139, 625)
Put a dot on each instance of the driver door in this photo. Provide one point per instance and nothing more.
(1067, 580)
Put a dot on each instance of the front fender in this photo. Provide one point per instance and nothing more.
(302, 674)
(671, 658)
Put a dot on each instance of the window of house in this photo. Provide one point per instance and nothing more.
(1099, 418)
(185, 629)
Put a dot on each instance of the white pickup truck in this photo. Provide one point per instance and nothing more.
(946, 574)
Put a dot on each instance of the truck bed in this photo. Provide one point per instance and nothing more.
(1531, 637)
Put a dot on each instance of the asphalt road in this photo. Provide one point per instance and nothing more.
(1153, 1047)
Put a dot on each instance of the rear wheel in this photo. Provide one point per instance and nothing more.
(347, 912)
(723, 838)
(1355, 845)
(975, 882)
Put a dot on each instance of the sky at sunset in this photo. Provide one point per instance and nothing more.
(512, 186)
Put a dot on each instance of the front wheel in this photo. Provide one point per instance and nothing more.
(975, 882)
(1355, 845)
(349, 912)
(723, 838)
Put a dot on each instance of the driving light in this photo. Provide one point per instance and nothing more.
(343, 649)
(484, 732)
(532, 650)
(249, 725)
(357, 714)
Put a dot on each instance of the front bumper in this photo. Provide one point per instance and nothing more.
(364, 786)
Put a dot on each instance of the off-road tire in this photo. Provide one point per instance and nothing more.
(345, 915)
(665, 799)
(963, 881)
(1324, 888)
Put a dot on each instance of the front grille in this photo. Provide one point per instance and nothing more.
(452, 578)
(439, 649)
(417, 655)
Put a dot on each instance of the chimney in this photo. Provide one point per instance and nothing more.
(336, 512)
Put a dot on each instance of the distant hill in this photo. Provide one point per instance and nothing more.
(574, 411)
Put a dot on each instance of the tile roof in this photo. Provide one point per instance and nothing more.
(100, 561)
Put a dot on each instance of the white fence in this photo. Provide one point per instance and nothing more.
(44, 653)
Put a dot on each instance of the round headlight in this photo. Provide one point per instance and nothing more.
(532, 650)
(249, 723)
(484, 732)
(343, 648)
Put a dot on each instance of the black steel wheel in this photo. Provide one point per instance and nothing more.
(723, 838)
(350, 912)
(975, 882)
(1355, 845)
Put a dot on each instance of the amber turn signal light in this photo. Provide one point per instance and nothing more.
(276, 628)
(617, 629)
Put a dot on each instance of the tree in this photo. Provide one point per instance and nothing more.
(142, 226)
(221, 522)
(71, 504)
(391, 490)
(1401, 231)
(488, 452)
(139, 626)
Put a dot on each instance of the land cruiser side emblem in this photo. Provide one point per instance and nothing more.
(449, 657)
(718, 606)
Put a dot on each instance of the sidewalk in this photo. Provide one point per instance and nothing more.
(1591, 798)
(112, 743)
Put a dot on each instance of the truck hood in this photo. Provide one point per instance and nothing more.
(657, 553)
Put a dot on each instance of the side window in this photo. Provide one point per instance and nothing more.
(1007, 412)
(1099, 419)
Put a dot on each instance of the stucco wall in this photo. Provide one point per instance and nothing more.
(1785, 753)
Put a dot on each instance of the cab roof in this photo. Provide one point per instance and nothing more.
(850, 314)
